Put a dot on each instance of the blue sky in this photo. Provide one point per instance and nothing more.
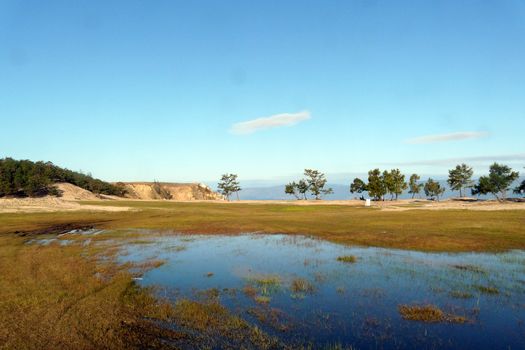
(168, 90)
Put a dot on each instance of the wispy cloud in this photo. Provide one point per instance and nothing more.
(273, 121)
(453, 136)
(517, 157)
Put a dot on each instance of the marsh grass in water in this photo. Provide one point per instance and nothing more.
(469, 268)
(249, 291)
(372, 290)
(262, 299)
(176, 248)
(429, 314)
(355, 304)
(211, 325)
(487, 289)
(266, 285)
(300, 287)
(461, 294)
(350, 259)
(271, 317)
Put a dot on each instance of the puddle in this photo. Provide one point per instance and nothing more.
(296, 289)
(64, 238)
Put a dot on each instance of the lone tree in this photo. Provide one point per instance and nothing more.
(497, 182)
(229, 185)
(358, 186)
(414, 186)
(316, 182)
(394, 182)
(460, 178)
(433, 189)
(376, 185)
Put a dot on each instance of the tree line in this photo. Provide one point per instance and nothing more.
(392, 183)
(497, 183)
(24, 178)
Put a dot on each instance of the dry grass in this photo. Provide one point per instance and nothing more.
(426, 230)
(62, 297)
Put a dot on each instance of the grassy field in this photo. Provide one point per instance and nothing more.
(426, 230)
(78, 297)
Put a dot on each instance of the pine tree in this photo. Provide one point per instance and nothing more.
(316, 182)
(460, 178)
(433, 189)
(414, 186)
(497, 182)
(376, 185)
(358, 186)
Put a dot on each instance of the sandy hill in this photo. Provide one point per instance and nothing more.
(71, 192)
(165, 190)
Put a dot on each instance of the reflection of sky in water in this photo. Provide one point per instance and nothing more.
(354, 304)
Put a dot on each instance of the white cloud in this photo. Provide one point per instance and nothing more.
(453, 136)
(273, 121)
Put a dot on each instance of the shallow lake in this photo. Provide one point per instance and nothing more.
(295, 288)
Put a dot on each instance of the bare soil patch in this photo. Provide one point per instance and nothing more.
(49, 204)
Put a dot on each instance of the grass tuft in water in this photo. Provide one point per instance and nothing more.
(265, 284)
(347, 259)
(458, 294)
(261, 299)
(487, 289)
(249, 291)
(428, 314)
(469, 268)
(269, 316)
(301, 285)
